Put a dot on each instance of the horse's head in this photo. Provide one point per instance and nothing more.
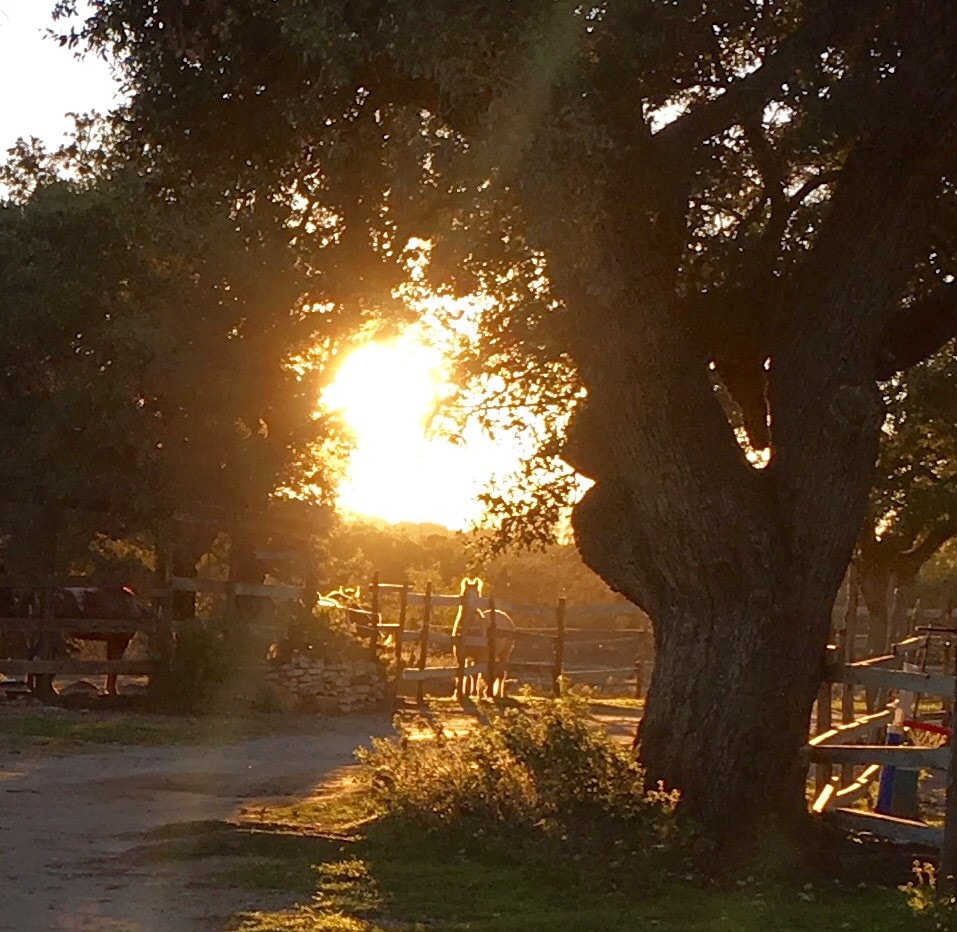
(471, 594)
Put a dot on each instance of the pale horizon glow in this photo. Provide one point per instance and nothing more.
(402, 470)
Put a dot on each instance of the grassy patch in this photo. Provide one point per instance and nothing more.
(616, 702)
(67, 729)
(343, 812)
(447, 843)
(421, 879)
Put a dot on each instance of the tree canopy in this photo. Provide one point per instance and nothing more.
(157, 353)
(705, 230)
(912, 510)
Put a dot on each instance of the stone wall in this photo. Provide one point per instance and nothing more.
(329, 686)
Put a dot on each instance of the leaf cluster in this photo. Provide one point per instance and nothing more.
(634, 176)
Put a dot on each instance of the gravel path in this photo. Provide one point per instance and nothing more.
(69, 823)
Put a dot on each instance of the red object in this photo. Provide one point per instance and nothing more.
(930, 727)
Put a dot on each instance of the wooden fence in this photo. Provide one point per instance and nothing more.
(159, 627)
(42, 629)
(556, 640)
(854, 747)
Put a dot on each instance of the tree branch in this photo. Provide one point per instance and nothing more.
(918, 331)
(831, 24)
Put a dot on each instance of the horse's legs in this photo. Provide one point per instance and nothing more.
(115, 648)
(45, 648)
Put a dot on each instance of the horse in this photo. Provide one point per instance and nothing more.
(79, 603)
(472, 623)
(108, 604)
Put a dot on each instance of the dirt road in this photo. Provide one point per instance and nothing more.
(69, 824)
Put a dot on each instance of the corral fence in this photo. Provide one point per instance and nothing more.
(44, 630)
(31, 642)
(884, 719)
(421, 638)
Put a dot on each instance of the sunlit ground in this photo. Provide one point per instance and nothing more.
(401, 469)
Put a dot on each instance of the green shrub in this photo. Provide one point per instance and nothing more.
(544, 777)
(201, 662)
(323, 634)
(216, 660)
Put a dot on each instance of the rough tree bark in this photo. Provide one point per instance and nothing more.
(739, 592)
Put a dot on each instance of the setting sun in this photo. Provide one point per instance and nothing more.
(401, 469)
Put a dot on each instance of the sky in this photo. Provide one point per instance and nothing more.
(40, 81)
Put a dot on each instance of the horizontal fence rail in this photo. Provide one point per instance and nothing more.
(883, 678)
(68, 665)
(908, 758)
(903, 831)
(84, 625)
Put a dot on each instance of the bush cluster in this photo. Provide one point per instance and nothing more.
(214, 661)
(936, 908)
(189, 679)
(324, 634)
(542, 776)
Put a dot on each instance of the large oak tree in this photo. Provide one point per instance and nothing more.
(706, 219)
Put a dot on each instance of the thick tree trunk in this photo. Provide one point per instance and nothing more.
(728, 711)
(740, 641)
(737, 567)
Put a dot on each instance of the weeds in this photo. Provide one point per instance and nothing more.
(936, 908)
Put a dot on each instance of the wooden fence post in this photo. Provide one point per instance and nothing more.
(374, 621)
(424, 640)
(850, 633)
(823, 772)
(231, 580)
(48, 642)
(490, 633)
(399, 634)
(947, 652)
(559, 648)
(948, 853)
(164, 604)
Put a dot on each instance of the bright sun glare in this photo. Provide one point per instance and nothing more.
(400, 470)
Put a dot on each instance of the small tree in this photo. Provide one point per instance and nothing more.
(912, 510)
